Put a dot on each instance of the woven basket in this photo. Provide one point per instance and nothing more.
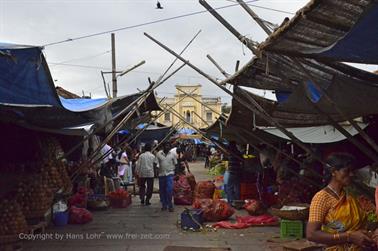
(292, 214)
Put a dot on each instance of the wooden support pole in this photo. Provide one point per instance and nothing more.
(106, 90)
(200, 132)
(224, 73)
(132, 68)
(237, 65)
(173, 129)
(140, 132)
(114, 67)
(228, 26)
(204, 121)
(254, 16)
(251, 105)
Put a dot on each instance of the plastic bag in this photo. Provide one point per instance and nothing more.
(182, 193)
(204, 190)
(79, 215)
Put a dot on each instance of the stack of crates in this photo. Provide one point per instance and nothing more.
(291, 229)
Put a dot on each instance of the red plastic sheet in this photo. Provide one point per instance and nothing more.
(247, 221)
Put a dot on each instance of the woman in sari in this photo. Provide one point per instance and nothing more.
(336, 219)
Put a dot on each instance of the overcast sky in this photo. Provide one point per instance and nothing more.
(39, 22)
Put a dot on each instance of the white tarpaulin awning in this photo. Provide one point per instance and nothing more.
(316, 134)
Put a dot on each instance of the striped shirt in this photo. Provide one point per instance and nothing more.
(145, 165)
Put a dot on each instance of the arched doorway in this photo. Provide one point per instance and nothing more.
(188, 117)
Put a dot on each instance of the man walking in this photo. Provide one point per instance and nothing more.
(145, 172)
(167, 162)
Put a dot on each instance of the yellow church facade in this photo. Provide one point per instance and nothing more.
(198, 111)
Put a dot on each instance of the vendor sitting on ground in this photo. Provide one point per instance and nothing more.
(336, 219)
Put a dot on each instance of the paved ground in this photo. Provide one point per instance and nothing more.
(147, 228)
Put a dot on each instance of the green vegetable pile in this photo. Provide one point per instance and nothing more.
(217, 170)
(372, 217)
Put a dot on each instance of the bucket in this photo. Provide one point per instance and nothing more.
(60, 218)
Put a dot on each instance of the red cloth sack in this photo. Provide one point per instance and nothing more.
(79, 215)
(182, 193)
(220, 210)
(253, 207)
(202, 203)
(204, 190)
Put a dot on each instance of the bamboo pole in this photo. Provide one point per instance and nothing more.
(257, 138)
(139, 133)
(155, 85)
(254, 16)
(228, 26)
(202, 133)
(132, 68)
(173, 129)
(224, 73)
(204, 121)
(255, 107)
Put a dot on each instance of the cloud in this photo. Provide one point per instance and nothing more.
(40, 22)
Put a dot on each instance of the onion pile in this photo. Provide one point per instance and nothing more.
(35, 197)
(12, 220)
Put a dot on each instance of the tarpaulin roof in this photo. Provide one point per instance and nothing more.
(28, 96)
(278, 72)
(236, 132)
(188, 131)
(245, 118)
(82, 104)
(316, 134)
(337, 30)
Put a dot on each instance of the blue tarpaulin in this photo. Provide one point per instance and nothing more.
(82, 104)
(360, 45)
(25, 78)
(313, 92)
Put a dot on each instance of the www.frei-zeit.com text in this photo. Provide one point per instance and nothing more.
(92, 236)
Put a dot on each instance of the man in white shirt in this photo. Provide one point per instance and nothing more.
(167, 162)
(106, 153)
(145, 171)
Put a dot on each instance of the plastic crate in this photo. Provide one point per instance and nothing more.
(291, 229)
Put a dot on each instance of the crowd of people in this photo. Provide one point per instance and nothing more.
(143, 165)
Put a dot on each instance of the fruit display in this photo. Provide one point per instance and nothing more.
(34, 197)
(12, 220)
